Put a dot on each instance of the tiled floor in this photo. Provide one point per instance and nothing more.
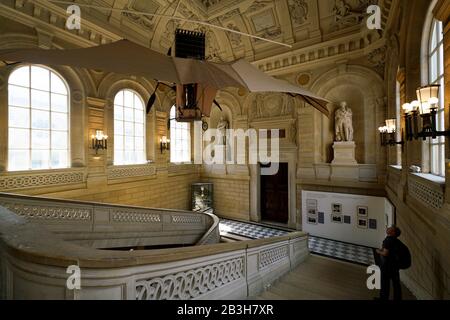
(330, 248)
(342, 251)
(249, 230)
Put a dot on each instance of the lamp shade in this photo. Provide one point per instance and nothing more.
(415, 105)
(428, 98)
(391, 125)
(407, 108)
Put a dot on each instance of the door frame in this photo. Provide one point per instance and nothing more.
(255, 189)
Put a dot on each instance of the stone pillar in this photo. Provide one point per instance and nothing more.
(96, 161)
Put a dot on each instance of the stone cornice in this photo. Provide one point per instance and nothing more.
(348, 47)
(51, 19)
(442, 11)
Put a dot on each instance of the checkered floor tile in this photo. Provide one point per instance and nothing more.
(249, 230)
(330, 248)
(341, 250)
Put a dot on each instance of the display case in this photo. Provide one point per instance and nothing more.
(202, 196)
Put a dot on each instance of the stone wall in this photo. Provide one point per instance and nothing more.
(421, 201)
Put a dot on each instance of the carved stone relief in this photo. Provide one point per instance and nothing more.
(299, 11)
(272, 105)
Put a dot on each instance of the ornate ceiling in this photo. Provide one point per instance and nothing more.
(294, 22)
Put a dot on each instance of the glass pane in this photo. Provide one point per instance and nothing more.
(59, 140)
(434, 36)
(18, 160)
(40, 159)
(40, 100)
(19, 117)
(59, 159)
(138, 103)
(59, 103)
(40, 78)
(128, 95)
(139, 130)
(40, 119)
(119, 99)
(139, 116)
(57, 84)
(20, 77)
(118, 127)
(172, 115)
(129, 157)
(19, 138)
(40, 139)
(140, 157)
(433, 67)
(18, 96)
(129, 143)
(128, 113)
(129, 129)
(59, 121)
(118, 142)
(139, 143)
(118, 113)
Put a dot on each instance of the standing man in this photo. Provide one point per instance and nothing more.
(390, 269)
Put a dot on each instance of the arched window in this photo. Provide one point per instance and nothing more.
(180, 140)
(129, 129)
(38, 120)
(436, 76)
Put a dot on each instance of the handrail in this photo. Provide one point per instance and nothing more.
(95, 222)
(29, 241)
(31, 252)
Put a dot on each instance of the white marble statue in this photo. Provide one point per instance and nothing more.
(222, 127)
(343, 123)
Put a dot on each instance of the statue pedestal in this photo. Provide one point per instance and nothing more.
(344, 153)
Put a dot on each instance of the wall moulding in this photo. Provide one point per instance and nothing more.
(353, 46)
(57, 23)
(131, 171)
(429, 193)
(45, 178)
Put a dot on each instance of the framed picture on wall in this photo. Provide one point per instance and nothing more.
(336, 208)
(336, 218)
(373, 224)
(321, 218)
(362, 223)
(347, 219)
(362, 211)
(311, 203)
(312, 212)
(312, 220)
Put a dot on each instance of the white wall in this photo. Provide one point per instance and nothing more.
(378, 208)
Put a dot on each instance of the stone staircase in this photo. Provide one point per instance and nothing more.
(320, 278)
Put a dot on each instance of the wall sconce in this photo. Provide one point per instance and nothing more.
(387, 134)
(99, 141)
(164, 143)
(426, 106)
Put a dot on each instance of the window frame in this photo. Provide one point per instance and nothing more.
(435, 59)
(176, 126)
(144, 123)
(30, 108)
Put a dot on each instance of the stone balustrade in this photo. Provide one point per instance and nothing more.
(34, 263)
(114, 226)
